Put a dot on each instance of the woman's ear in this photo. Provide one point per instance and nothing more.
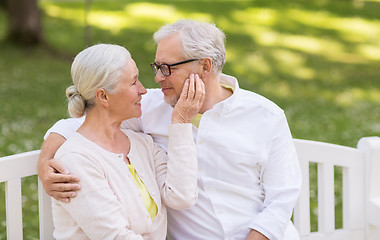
(206, 67)
(101, 96)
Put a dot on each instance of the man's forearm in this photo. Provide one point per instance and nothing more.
(256, 235)
(56, 179)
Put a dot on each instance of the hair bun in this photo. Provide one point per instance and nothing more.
(72, 92)
(77, 103)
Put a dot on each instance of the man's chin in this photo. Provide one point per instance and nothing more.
(171, 100)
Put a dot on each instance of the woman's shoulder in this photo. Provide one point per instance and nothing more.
(138, 136)
(77, 149)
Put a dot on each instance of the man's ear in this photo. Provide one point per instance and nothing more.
(101, 96)
(206, 67)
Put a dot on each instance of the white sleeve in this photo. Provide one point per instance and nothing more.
(281, 180)
(177, 176)
(65, 127)
(133, 124)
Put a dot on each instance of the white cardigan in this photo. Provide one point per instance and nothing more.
(109, 205)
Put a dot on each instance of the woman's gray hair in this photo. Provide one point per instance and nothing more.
(98, 66)
(199, 40)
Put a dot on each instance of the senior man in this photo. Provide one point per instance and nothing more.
(248, 173)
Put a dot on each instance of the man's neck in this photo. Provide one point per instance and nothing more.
(215, 92)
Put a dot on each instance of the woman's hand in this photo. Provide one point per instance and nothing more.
(190, 101)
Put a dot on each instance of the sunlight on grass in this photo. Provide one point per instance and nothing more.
(330, 49)
(132, 16)
(281, 89)
(349, 97)
(252, 62)
(257, 23)
(370, 51)
(159, 12)
(112, 22)
(355, 29)
(262, 16)
(76, 15)
(292, 64)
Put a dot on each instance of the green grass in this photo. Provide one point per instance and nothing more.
(318, 60)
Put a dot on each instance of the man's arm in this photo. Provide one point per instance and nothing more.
(55, 178)
(255, 235)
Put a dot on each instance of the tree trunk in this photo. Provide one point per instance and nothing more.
(24, 25)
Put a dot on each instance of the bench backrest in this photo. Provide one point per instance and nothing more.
(327, 156)
(12, 170)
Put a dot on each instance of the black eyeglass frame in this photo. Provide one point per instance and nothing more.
(155, 66)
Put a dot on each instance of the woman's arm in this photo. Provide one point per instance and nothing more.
(178, 178)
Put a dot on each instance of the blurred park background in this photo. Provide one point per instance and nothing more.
(317, 59)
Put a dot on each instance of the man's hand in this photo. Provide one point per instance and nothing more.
(190, 101)
(256, 235)
(57, 181)
(55, 178)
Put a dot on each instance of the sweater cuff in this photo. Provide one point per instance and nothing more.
(181, 134)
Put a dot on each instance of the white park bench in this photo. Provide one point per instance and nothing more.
(361, 191)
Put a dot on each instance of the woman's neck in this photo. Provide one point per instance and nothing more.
(102, 129)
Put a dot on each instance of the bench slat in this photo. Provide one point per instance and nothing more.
(13, 210)
(18, 165)
(354, 197)
(45, 213)
(302, 209)
(326, 207)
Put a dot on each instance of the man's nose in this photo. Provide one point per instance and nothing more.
(159, 76)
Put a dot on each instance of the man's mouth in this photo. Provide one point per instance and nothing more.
(165, 89)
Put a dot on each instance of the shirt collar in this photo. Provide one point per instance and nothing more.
(226, 105)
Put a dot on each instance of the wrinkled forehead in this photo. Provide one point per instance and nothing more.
(169, 50)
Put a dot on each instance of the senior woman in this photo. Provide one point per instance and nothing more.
(126, 179)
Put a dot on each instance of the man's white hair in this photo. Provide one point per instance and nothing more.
(199, 40)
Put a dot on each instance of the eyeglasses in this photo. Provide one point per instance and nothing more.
(165, 68)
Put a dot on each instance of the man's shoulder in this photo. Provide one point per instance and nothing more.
(153, 100)
(255, 100)
(153, 93)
